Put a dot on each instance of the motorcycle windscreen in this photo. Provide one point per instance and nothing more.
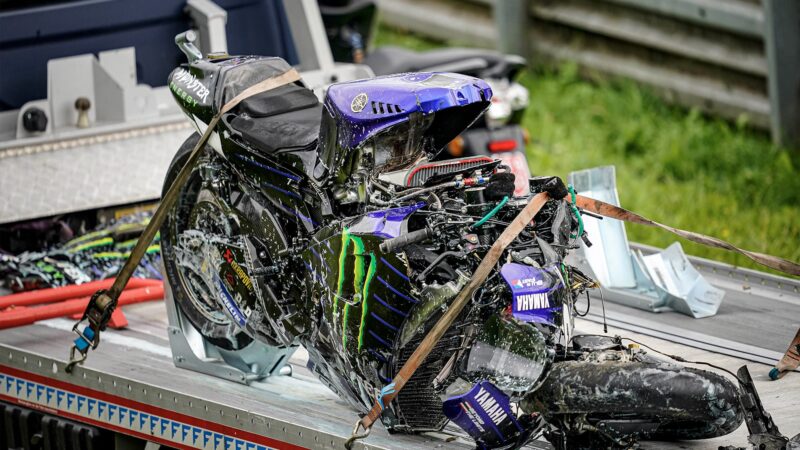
(449, 123)
(510, 353)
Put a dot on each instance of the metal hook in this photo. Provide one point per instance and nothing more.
(355, 436)
(73, 361)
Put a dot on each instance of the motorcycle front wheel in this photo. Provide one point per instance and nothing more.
(193, 297)
(615, 401)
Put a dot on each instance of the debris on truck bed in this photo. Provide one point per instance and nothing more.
(96, 255)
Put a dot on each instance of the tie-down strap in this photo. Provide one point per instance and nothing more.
(615, 212)
(98, 311)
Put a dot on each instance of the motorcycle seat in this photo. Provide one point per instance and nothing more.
(475, 62)
(284, 118)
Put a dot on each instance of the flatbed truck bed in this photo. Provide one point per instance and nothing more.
(130, 385)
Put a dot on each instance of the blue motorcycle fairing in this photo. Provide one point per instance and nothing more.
(363, 108)
(485, 413)
(534, 292)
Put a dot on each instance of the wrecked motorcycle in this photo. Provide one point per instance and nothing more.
(328, 225)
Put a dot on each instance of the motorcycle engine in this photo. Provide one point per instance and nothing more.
(492, 339)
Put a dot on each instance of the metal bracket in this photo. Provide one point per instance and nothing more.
(210, 21)
(190, 350)
(308, 34)
(662, 281)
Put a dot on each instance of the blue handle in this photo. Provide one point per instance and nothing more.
(80, 343)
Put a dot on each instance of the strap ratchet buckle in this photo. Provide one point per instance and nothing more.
(97, 314)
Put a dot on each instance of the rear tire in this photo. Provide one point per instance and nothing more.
(645, 400)
(221, 331)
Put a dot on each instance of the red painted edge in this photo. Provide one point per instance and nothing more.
(189, 420)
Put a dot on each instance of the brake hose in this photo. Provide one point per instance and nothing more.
(491, 213)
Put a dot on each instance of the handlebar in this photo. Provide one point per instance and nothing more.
(392, 245)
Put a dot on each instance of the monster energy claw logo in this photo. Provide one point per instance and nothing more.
(362, 279)
(359, 102)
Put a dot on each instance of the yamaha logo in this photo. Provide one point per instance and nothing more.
(359, 102)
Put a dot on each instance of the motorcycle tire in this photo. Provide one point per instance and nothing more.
(643, 400)
(221, 332)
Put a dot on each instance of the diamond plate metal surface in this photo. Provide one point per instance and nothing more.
(111, 172)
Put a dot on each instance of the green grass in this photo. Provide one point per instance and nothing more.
(674, 166)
